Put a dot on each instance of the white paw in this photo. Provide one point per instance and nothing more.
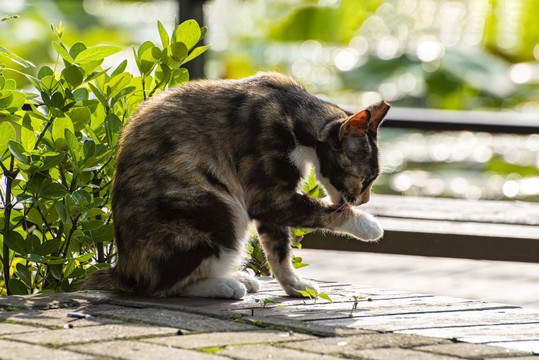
(250, 282)
(297, 283)
(225, 288)
(363, 226)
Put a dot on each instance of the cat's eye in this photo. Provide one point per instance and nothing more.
(367, 183)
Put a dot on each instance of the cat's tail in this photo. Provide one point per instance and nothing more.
(102, 279)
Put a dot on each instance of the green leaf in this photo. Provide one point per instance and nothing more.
(95, 75)
(57, 100)
(165, 39)
(113, 125)
(203, 31)
(54, 191)
(116, 84)
(298, 265)
(311, 292)
(16, 58)
(80, 117)
(24, 274)
(28, 138)
(179, 77)
(96, 53)
(45, 71)
(80, 94)
(196, 52)
(98, 94)
(148, 60)
(6, 98)
(17, 287)
(104, 233)
(51, 161)
(15, 242)
(61, 50)
(82, 197)
(162, 75)
(120, 69)
(85, 257)
(35, 258)
(188, 33)
(76, 49)
(48, 247)
(17, 101)
(18, 151)
(73, 75)
(72, 265)
(304, 293)
(92, 225)
(48, 84)
(325, 297)
(7, 132)
(88, 148)
(63, 212)
(58, 131)
(142, 48)
(73, 146)
(178, 52)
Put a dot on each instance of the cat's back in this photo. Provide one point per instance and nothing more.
(216, 100)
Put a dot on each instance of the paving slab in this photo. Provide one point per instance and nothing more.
(199, 341)
(418, 321)
(350, 344)
(400, 354)
(166, 317)
(483, 333)
(91, 333)
(9, 328)
(263, 352)
(467, 350)
(360, 323)
(59, 318)
(136, 350)
(13, 350)
(525, 346)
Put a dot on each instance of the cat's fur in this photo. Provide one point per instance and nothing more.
(199, 163)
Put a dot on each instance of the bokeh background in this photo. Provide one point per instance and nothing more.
(453, 55)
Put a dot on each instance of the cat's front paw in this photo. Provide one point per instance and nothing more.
(363, 226)
(298, 283)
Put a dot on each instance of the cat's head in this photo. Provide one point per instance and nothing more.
(348, 156)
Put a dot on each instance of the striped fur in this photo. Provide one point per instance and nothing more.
(199, 163)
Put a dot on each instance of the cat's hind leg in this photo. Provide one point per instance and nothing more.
(225, 288)
(251, 284)
(275, 241)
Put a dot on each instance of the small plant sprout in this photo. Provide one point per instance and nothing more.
(265, 302)
(354, 306)
(312, 294)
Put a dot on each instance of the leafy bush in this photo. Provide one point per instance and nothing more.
(57, 152)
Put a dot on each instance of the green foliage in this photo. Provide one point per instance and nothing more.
(334, 24)
(57, 151)
(255, 257)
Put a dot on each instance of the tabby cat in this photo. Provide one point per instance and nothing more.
(200, 163)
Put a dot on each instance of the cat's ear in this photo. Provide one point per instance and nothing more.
(378, 111)
(356, 124)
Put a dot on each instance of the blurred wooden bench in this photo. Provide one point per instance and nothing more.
(492, 230)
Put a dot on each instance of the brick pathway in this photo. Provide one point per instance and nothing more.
(360, 323)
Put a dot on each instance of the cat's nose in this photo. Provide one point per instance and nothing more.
(365, 197)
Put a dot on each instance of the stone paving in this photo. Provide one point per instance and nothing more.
(360, 323)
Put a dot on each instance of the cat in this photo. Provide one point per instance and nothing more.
(198, 164)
